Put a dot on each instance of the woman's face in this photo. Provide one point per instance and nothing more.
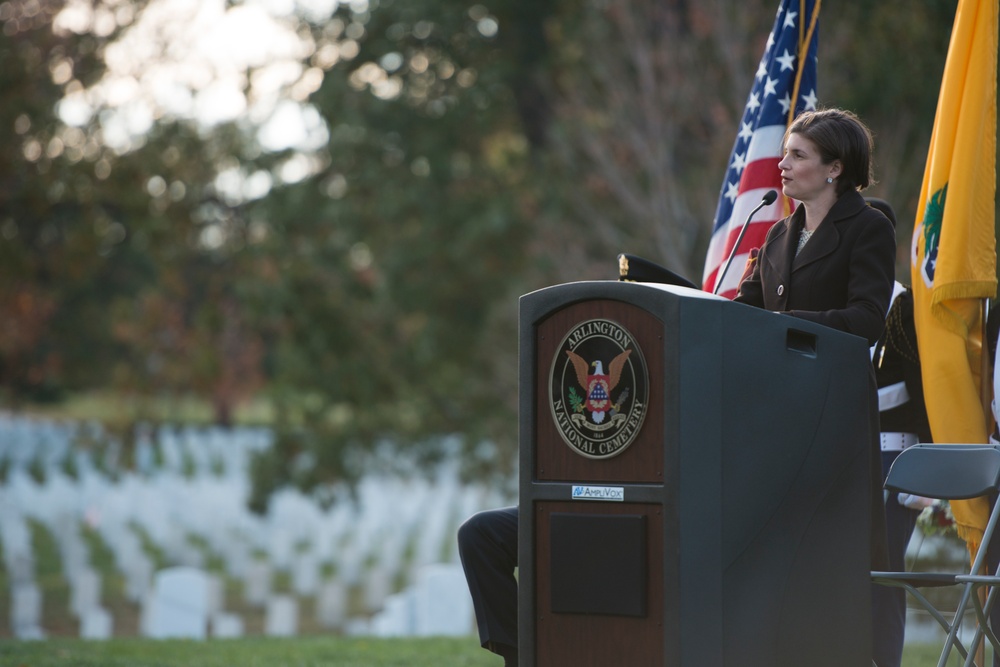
(803, 174)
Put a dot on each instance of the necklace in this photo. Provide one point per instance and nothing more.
(803, 239)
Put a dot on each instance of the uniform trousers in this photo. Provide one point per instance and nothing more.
(889, 602)
(487, 544)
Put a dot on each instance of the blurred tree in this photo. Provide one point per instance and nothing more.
(186, 330)
(648, 95)
(109, 275)
(388, 277)
(892, 83)
(60, 253)
(468, 152)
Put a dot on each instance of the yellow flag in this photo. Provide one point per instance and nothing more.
(953, 259)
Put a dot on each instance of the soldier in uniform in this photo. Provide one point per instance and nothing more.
(903, 422)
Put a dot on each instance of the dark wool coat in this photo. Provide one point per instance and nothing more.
(842, 279)
(843, 276)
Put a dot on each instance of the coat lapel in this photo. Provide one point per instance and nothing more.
(827, 236)
(783, 246)
(823, 242)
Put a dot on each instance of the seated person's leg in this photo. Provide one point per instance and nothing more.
(487, 544)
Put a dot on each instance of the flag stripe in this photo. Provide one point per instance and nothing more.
(766, 143)
(759, 175)
(754, 238)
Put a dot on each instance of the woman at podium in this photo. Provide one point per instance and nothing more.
(832, 260)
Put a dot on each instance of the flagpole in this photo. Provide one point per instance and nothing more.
(803, 51)
(986, 368)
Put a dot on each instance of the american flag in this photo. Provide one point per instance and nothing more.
(787, 71)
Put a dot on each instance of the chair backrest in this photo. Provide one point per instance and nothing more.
(946, 471)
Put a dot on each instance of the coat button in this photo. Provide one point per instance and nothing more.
(780, 290)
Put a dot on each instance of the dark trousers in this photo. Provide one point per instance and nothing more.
(487, 544)
(889, 603)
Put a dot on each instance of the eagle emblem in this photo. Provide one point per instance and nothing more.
(598, 388)
(598, 385)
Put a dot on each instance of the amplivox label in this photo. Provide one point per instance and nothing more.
(581, 492)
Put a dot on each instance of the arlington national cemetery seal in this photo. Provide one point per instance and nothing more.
(598, 389)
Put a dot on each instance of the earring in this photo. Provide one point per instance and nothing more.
(829, 179)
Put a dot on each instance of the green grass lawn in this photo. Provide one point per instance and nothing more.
(254, 652)
(299, 652)
(927, 655)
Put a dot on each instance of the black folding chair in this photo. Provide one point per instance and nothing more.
(950, 472)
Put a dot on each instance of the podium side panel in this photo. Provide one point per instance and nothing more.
(695, 483)
(796, 496)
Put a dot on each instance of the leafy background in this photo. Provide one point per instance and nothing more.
(364, 288)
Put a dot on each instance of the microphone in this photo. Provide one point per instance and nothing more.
(766, 200)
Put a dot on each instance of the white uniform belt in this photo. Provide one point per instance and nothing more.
(892, 396)
(894, 441)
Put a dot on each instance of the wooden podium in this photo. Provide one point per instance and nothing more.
(694, 483)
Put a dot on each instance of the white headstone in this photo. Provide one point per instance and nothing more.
(378, 586)
(84, 591)
(282, 617)
(30, 633)
(138, 577)
(96, 623)
(25, 606)
(216, 594)
(257, 583)
(396, 619)
(358, 626)
(75, 554)
(236, 555)
(331, 603)
(442, 603)
(145, 457)
(305, 573)
(226, 625)
(20, 566)
(349, 561)
(179, 604)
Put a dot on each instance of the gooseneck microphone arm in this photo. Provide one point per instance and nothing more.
(766, 200)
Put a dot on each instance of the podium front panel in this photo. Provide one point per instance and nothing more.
(642, 459)
(608, 633)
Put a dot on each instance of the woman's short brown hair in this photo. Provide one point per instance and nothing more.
(839, 135)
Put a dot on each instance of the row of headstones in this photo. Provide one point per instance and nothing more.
(25, 594)
(18, 557)
(24, 440)
(385, 505)
(438, 604)
(201, 450)
(280, 550)
(377, 536)
(281, 610)
(184, 602)
(384, 542)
